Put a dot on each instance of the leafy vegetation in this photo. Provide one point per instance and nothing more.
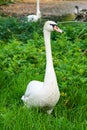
(6, 1)
(22, 58)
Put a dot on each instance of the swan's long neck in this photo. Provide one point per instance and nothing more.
(49, 61)
(38, 7)
(49, 74)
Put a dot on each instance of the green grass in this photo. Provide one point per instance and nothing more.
(6, 2)
(22, 58)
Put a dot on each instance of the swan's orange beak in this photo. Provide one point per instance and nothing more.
(56, 28)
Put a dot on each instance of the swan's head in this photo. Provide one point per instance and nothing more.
(51, 26)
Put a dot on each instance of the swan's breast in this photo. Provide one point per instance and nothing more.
(51, 95)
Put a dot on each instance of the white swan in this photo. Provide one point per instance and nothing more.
(34, 18)
(44, 94)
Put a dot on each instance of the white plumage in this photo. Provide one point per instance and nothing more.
(34, 18)
(44, 94)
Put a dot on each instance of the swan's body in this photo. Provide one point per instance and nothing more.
(34, 18)
(81, 14)
(44, 94)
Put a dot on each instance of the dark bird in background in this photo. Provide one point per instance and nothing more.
(81, 14)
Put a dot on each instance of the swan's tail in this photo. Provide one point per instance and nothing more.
(23, 98)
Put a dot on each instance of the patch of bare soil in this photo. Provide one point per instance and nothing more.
(47, 9)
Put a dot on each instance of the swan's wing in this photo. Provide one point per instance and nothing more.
(32, 93)
(33, 88)
(32, 18)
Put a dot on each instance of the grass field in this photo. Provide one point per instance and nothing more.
(22, 58)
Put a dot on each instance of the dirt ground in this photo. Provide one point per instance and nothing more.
(47, 9)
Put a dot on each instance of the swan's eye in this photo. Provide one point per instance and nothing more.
(53, 25)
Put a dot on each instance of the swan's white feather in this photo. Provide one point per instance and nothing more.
(32, 18)
(33, 94)
(37, 95)
(44, 94)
